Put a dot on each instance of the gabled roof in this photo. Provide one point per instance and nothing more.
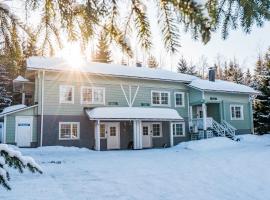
(16, 108)
(125, 113)
(59, 64)
(221, 86)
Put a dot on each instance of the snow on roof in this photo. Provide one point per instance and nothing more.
(220, 85)
(15, 108)
(12, 108)
(20, 79)
(59, 64)
(133, 113)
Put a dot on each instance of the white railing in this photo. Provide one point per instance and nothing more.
(230, 130)
(199, 122)
(220, 130)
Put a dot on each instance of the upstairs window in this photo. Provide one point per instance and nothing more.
(69, 130)
(179, 99)
(92, 95)
(237, 112)
(160, 98)
(178, 129)
(66, 94)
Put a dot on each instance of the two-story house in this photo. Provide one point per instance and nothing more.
(110, 106)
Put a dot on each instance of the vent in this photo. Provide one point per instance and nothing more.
(113, 103)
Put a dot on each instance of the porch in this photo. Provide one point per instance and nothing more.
(135, 127)
(206, 120)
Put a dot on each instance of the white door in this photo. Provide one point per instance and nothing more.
(146, 135)
(24, 131)
(1, 132)
(199, 112)
(113, 136)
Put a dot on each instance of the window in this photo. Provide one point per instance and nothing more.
(236, 112)
(69, 130)
(102, 130)
(66, 94)
(92, 95)
(179, 99)
(160, 98)
(178, 129)
(156, 128)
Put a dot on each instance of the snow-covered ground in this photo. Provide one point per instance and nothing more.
(213, 169)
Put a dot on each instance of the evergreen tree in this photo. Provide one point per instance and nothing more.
(182, 66)
(5, 88)
(262, 102)
(103, 54)
(192, 70)
(234, 73)
(12, 158)
(248, 78)
(152, 62)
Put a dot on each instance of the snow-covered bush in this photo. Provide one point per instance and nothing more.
(12, 158)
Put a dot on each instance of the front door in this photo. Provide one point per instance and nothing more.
(113, 136)
(146, 136)
(24, 131)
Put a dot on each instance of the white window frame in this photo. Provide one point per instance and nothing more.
(152, 130)
(92, 88)
(61, 100)
(159, 91)
(78, 130)
(184, 131)
(241, 111)
(183, 99)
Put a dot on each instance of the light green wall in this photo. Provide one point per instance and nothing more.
(113, 92)
(11, 123)
(195, 96)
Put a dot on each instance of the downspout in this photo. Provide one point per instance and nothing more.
(42, 108)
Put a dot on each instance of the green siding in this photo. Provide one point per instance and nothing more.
(11, 123)
(113, 92)
(195, 96)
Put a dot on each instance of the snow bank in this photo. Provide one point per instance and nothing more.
(255, 139)
(208, 144)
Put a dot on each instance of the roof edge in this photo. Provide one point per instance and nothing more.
(18, 110)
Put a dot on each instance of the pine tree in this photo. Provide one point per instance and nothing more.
(103, 54)
(182, 66)
(192, 70)
(248, 78)
(12, 158)
(152, 62)
(234, 73)
(262, 102)
(5, 88)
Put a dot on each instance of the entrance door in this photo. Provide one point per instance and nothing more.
(146, 135)
(113, 136)
(24, 131)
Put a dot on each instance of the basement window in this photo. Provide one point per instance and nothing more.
(69, 130)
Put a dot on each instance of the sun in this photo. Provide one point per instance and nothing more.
(72, 54)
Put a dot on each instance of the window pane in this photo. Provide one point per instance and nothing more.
(232, 112)
(156, 129)
(65, 132)
(102, 130)
(87, 95)
(113, 131)
(237, 112)
(98, 95)
(179, 129)
(74, 131)
(66, 94)
(164, 98)
(145, 130)
(155, 98)
(178, 99)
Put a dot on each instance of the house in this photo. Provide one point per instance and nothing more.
(109, 106)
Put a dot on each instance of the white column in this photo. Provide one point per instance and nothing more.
(97, 135)
(190, 117)
(171, 134)
(204, 117)
(137, 134)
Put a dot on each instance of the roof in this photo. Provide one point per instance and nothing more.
(59, 64)
(124, 113)
(20, 79)
(221, 86)
(16, 108)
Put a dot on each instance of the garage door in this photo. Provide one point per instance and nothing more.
(24, 127)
